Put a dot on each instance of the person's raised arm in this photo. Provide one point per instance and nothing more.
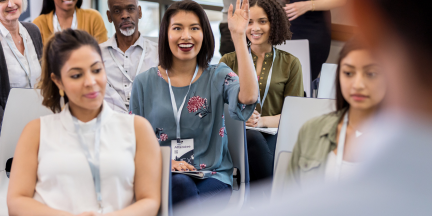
(148, 172)
(237, 23)
(24, 176)
(297, 9)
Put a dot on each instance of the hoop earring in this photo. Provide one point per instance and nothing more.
(62, 101)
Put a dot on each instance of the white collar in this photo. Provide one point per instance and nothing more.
(67, 121)
(112, 42)
(4, 32)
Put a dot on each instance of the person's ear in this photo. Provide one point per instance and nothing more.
(140, 12)
(57, 81)
(109, 16)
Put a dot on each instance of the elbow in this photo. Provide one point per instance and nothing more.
(249, 99)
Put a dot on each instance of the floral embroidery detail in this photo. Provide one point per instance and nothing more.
(161, 136)
(243, 106)
(202, 166)
(230, 78)
(198, 104)
(130, 112)
(213, 172)
(159, 74)
(222, 132)
(232, 74)
(223, 116)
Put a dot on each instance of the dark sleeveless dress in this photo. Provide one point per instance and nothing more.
(314, 26)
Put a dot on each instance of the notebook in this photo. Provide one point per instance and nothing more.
(271, 131)
(196, 174)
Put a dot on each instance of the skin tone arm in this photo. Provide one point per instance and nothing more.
(237, 24)
(297, 9)
(24, 176)
(268, 121)
(148, 172)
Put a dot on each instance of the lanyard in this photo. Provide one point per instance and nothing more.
(28, 73)
(56, 23)
(122, 68)
(92, 161)
(177, 113)
(341, 146)
(268, 79)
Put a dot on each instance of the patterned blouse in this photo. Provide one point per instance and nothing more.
(202, 117)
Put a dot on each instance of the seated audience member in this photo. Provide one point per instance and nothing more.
(57, 15)
(279, 75)
(127, 53)
(326, 150)
(184, 97)
(20, 51)
(86, 158)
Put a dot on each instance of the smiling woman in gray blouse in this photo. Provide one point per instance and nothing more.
(20, 51)
(185, 79)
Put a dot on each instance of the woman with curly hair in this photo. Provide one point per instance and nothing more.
(279, 75)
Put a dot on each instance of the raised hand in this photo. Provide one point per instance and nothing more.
(238, 22)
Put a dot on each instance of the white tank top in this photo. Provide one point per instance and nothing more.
(348, 169)
(64, 179)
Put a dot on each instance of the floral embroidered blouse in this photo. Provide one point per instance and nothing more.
(202, 117)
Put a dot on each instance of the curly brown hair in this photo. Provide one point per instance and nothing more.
(279, 23)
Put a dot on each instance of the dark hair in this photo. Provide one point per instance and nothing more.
(279, 22)
(48, 6)
(413, 30)
(351, 45)
(56, 52)
(207, 49)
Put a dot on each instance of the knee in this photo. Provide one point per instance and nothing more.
(182, 182)
(254, 139)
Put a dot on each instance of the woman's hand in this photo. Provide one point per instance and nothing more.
(238, 22)
(297, 9)
(89, 214)
(181, 166)
(255, 120)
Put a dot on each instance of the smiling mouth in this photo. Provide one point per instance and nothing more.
(358, 97)
(68, 1)
(12, 11)
(92, 95)
(185, 47)
(256, 36)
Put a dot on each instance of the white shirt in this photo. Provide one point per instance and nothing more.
(348, 169)
(119, 86)
(17, 75)
(64, 179)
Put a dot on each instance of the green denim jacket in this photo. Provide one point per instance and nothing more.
(316, 139)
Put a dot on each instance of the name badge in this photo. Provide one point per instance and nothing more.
(183, 151)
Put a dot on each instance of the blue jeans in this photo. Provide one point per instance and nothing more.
(185, 188)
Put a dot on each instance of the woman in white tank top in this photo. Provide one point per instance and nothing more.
(86, 159)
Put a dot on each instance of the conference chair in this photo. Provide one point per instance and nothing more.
(327, 84)
(237, 146)
(166, 204)
(296, 111)
(23, 105)
(300, 49)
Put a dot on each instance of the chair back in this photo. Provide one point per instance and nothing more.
(237, 146)
(165, 207)
(281, 167)
(296, 111)
(327, 84)
(300, 49)
(23, 105)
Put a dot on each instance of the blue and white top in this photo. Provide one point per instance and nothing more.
(203, 116)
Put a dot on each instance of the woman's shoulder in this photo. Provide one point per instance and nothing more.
(320, 123)
(89, 13)
(286, 56)
(229, 57)
(42, 19)
(149, 75)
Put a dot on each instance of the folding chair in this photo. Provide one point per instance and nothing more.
(327, 85)
(166, 205)
(237, 146)
(300, 49)
(23, 105)
(296, 111)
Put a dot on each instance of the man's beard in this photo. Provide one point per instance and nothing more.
(128, 32)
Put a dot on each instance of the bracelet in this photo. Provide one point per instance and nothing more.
(313, 5)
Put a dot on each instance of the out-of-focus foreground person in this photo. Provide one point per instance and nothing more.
(20, 51)
(397, 178)
(311, 19)
(279, 75)
(126, 54)
(57, 15)
(86, 159)
(184, 98)
(326, 149)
